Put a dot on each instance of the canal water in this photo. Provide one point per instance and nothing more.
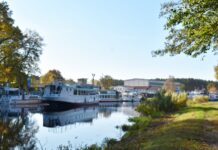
(48, 128)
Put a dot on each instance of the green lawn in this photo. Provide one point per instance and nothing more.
(192, 128)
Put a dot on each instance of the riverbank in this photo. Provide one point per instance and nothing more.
(194, 127)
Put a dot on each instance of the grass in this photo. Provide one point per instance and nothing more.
(191, 128)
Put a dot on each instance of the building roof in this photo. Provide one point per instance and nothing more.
(136, 79)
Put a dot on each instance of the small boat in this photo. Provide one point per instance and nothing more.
(131, 96)
(78, 94)
(109, 96)
(213, 96)
(10, 95)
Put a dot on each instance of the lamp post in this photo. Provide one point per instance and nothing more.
(93, 79)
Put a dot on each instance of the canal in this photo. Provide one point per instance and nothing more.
(48, 128)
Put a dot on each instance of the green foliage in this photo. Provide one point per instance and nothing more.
(163, 102)
(138, 123)
(116, 82)
(65, 147)
(200, 99)
(180, 100)
(50, 76)
(192, 26)
(191, 128)
(69, 146)
(92, 147)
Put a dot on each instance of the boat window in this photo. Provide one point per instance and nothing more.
(14, 93)
(59, 88)
(75, 92)
(52, 89)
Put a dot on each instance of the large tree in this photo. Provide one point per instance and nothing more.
(51, 76)
(19, 52)
(106, 81)
(192, 26)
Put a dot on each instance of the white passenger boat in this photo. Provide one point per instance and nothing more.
(75, 93)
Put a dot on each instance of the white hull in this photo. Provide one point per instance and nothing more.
(75, 94)
(130, 98)
(73, 99)
(10, 99)
(110, 100)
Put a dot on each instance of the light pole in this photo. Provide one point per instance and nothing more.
(93, 79)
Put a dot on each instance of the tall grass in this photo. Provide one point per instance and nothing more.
(200, 99)
(163, 102)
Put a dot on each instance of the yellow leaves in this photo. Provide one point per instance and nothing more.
(8, 70)
(3, 129)
(216, 72)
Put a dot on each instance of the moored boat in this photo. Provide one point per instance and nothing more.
(10, 95)
(109, 96)
(78, 94)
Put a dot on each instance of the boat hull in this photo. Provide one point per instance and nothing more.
(71, 100)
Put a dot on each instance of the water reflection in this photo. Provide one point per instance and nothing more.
(83, 114)
(16, 129)
(52, 118)
(29, 128)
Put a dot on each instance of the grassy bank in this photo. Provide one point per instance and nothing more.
(192, 127)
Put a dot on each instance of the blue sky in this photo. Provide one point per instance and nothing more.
(113, 37)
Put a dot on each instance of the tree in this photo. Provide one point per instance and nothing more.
(51, 76)
(19, 52)
(169, 85)
(216, 72)
(211, 88)
(69, 81)
(35, 81)
(106, 81)
(117, 82)
(192, 26)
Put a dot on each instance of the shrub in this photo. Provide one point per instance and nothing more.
(200, 99)
(162, 102)
(180, 99)
(139, 122)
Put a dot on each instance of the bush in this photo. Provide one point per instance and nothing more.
(180, 99)
(139, 122)
(200, 99)
(162, 102)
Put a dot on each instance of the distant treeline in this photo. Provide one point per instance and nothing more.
(190, 84)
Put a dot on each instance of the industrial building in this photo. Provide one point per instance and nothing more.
(146, 85)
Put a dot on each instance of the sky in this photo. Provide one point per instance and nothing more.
(105, 37)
